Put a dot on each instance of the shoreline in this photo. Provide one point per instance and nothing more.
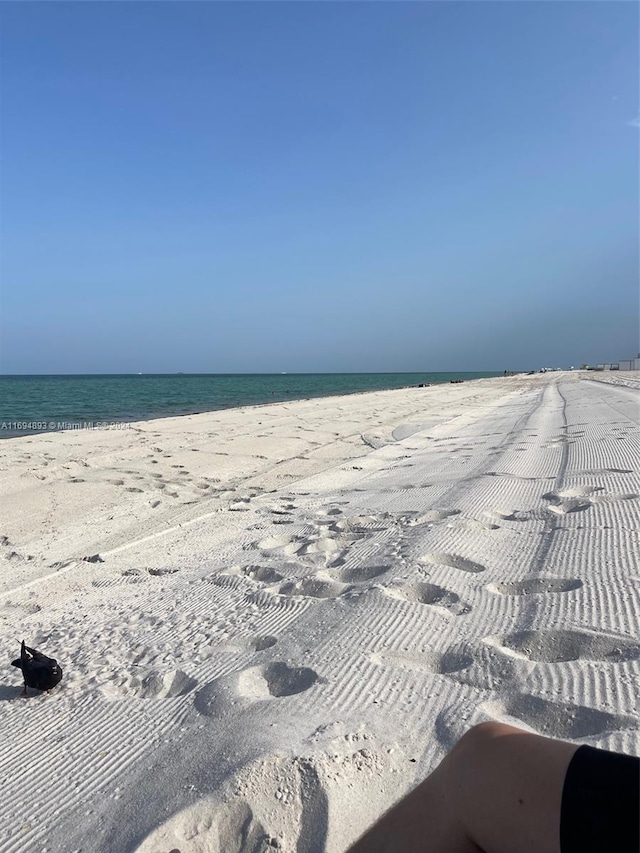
(470, 376)
(327, 594)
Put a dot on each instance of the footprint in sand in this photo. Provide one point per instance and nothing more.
(229, 695)
(260, 574)
(10, 553)
(432, 516)
(421, 592)
(422, 660)
(263, 577)
(557, 442)
(506, 515)
(352, 529)
(263, 574)
(534, 586)
(281, 802)
(557, 719)
(452, 661)
(153, 685)
(313, 587)
(575, 499)
(452, 561)
(332, 511)
(315, 549)
(359, 574)
(275, 680)
(260, 643)
(579, 498)
(560, 646)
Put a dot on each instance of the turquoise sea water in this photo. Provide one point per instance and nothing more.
(30, 404)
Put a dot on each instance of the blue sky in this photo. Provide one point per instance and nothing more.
(207, 187)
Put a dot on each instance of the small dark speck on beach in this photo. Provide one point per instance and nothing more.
(521, 801)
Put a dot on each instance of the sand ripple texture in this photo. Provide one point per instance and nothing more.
(273, 621)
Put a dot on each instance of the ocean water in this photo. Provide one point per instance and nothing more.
(31, 404)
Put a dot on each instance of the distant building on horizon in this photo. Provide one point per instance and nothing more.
(625, 364)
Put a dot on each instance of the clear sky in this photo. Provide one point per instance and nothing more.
(310, 186)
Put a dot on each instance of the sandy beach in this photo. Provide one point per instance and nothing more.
(274, 621)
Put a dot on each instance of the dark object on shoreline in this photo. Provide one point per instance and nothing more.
(94, 558)
(456, 381)
(38, 670)
(424, 385)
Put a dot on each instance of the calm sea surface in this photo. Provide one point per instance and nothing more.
(30, 404)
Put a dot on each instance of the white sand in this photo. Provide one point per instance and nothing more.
(299, 608)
